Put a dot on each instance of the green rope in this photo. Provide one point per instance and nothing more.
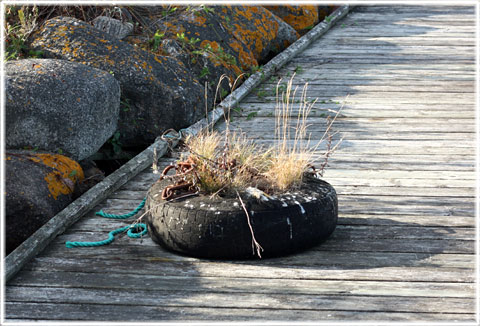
(123, 216)
(111, 235)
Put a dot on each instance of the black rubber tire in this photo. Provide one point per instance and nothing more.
(205, 228)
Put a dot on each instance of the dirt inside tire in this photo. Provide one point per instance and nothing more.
(201, 227)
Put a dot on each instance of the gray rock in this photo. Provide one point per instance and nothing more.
(59, 106)
(37, 187)
(160, 92)
(113, 26)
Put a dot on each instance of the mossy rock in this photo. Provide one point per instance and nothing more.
(37, 187)
(158, 92)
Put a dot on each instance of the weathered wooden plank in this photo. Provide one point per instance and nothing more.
(441, 175)
(388, 49)
(391, 57)
(380, 130)
(395, 219)
(385, 97)
(307, 72)
(47, 312)
(318, 80)
(359, 107)
(321, 81)
(129, 250)
(384, 60)
(419, 9)
(445, 17)
(177, 265)
(439, 24)
(402, 31)
(252, 285)
(146, 297)
(405, 192)
(399, 182)
(397, 68)
(371, 124)
(323, 110)
(426, 88)
(372, 149)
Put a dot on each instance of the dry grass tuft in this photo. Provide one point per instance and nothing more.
(292, 154)
(230, 162)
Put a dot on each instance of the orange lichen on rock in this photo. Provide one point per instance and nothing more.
(66, 173)
(264, 31)
(301, 18)
(256, 27)
(246, 58)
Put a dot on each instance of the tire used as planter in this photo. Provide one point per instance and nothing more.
(217, 228)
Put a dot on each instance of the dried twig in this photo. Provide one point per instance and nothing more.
(255, 244)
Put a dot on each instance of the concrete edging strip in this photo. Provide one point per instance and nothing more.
(73, 212)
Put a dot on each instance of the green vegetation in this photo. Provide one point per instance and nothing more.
(252, 115)
(114, 141)
(204, 72)
(156, 40)
(20, 22)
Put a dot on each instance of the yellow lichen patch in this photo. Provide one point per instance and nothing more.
(264, 31)
(299, 17)
(172, 28)
(200, 20)
(214, 45)
(66, 173)
(245, 57)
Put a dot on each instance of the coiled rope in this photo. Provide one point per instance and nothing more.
(133, 231)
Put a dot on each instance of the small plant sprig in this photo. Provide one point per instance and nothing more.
(20, 22)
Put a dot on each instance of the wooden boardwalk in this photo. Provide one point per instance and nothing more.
(405, 177)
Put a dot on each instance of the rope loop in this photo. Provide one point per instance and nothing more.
(111, 236)
(136, 230)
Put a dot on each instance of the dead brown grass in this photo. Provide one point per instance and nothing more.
(231, 162)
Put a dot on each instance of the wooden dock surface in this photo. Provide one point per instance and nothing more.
(404, 248)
